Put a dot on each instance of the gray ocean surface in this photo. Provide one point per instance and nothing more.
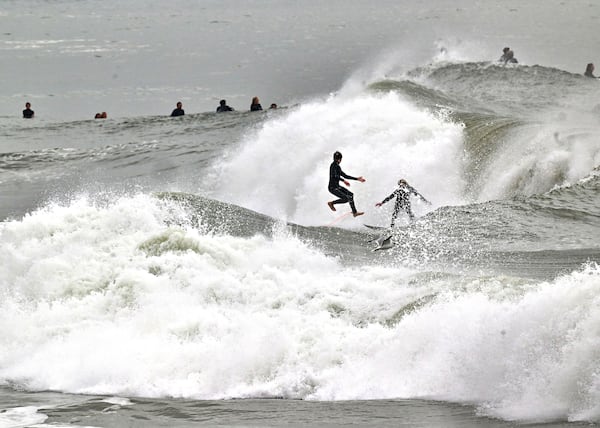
(183, 271)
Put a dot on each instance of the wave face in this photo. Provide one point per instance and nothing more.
(197, 258)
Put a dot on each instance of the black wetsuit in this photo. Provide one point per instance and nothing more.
(27, 113)
(345, 195)
(178, 112)
(402, 194)
(508, 56)
(224, 108)
(255, 107)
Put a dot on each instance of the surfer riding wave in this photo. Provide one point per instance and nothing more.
(344, 195)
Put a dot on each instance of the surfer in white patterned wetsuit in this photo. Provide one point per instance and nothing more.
(402, 195)
(344, 195)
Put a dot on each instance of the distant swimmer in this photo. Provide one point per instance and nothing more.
(28, 113)
(344, 195)
(273, 106)
(100, 115)
(178, 111)
(589, 71)
(223, 107)
(402, 195)
(508, 56)
(556, 138)
(255, 106)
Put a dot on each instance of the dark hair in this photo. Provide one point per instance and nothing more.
(337, 156)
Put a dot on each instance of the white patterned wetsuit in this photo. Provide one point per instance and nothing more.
(402, 195)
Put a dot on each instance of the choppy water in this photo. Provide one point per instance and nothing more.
(161, 271)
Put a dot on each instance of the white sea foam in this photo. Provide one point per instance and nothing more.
(118, 401)
(283, 169)
(522, 357)
(21, 417)
(534, 160)
(112, 300)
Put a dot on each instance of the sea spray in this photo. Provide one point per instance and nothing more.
(282, 168)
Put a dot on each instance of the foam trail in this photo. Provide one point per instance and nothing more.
(283, 169)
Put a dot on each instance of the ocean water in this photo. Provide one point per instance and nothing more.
(159, 271)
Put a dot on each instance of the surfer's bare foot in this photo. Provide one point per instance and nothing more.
(358, 213)
(331, 206)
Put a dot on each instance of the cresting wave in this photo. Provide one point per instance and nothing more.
(126, 299)
(453, 157)
(195, 295)
(282, 168)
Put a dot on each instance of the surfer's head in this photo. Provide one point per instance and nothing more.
(337, 156)
(589, 68)
(402, 182)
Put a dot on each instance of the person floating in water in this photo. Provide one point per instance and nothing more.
(223, 107)
(589, 71)
(28, 113)
(178, 111)
(255, 106)
(344, 195)
(402, 194)
(508, 56)
(100, 115)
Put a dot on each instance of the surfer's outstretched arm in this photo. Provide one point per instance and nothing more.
(414, 192)
(424, 199)
(349, 177)
(378, 204)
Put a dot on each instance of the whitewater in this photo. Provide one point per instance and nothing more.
(114, 300)
(159, 271)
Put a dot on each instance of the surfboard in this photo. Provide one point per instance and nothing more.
(338, 219)
(370, 226)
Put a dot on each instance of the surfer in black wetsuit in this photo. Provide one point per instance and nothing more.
(28, 113)
(589, 70)
(255, 106)
(508, 56)
(402, 194)
(178, 111)
(223, 107)
(344, 195)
